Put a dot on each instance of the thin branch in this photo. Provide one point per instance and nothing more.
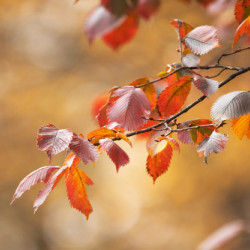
(231, 53)
(210, 77)
(179, 37)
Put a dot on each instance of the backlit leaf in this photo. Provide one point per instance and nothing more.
(98, 103)
(172, 98)
(205, 85)
(244, 27)
(231, 105)
(102, 133)
(149, 90)
(146, 8)
(215, 143)
(202, 39)
(40, 175)
(242, 10)
(184, 27)
(122, 33)
(53, 140)
(115, 153)
(71, 161)
(196, 135)
(189, 59)
(99, 22)
(84, 149)
(241, 126)
(158, 162)
(75, 180)
(128, 111)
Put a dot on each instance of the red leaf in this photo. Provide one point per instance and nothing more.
(98, 104)
(215, 143)
(123, 33)
(116, 154)
(158, 163)
(40, 175)
(242, 10)
(100, 22)
(76, 180)
(184, 27)
(53, 140)
(146, 8)
(202, 39)
(205, 85)
(84, 149)
(120, 7)
(129, 109)
(172, 98)
(244, 27)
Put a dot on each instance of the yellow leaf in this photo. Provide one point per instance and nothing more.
(241, 126)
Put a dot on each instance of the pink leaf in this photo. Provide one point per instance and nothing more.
(53, 140)
(43, 194)
(130, 109)
(205, 85)
(202, 39)
(40, 175)
(101, 21)
(84, 149)
(214, 143)
(146, 8)
(116, 154)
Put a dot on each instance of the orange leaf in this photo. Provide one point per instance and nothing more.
(172, 98)
(76, 181)
(102, 133)
(244, 27)
(123, 33)
(184, 27)
(241, 126)
(158, 162)
(242, 10)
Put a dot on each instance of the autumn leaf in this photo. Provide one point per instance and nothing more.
(42, 174)
(205, 85)
(122, 33)
(102, 133)
(115, 153)
(172, 98)
(76, 180)
(244, 27)
(146, 8)
(202, 39)
(195, 135)
(99, 22)
(53, 140)
(84, 149)
(242, 10)
(128, 111)
(158, 160)
(184, 27)
(214, 143)
(190, 59)
(241, 126)
(149, 90)
(231, 105)
(98, 103)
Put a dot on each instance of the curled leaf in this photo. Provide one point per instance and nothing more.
(214, 143)
(244, 27)
(205, 85)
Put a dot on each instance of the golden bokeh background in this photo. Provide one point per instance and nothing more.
(50, 74)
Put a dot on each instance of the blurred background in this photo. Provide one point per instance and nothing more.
(50, 74)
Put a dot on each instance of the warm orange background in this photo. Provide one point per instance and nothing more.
(49, 74)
